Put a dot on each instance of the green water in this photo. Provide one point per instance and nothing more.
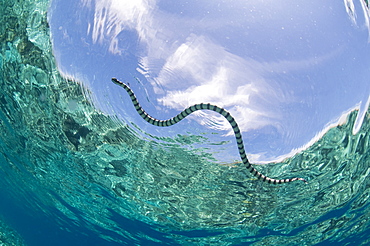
(86, 173)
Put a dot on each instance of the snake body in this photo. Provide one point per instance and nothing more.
(204, 106)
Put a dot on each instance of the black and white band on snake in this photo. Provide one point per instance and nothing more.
(206, 106)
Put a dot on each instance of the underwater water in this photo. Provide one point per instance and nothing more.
(70, 175)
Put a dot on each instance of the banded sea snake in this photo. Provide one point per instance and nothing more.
(174, 120)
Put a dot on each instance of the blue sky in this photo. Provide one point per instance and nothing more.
(287, 71)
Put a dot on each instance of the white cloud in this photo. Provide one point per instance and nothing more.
(202, 71)
(113, 16)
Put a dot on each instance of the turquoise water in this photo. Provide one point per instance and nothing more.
(71, 175)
